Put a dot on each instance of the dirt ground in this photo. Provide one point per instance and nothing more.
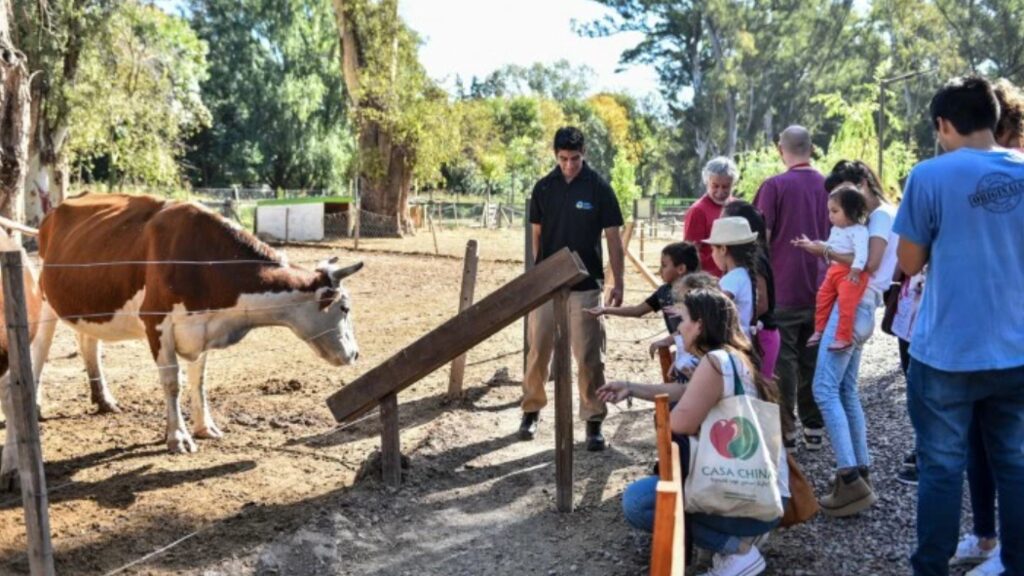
(278, 494)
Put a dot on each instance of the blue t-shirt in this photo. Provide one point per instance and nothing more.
(967, 208)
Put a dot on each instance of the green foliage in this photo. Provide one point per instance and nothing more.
(276, 94)
(623, 181)
(756, 166)
(137, 97)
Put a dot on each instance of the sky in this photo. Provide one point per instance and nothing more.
(476, 37)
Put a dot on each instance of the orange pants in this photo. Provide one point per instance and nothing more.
(837, 287)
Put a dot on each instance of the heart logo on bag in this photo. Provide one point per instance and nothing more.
(734, 438)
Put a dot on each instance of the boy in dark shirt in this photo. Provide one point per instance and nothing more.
(677, 260)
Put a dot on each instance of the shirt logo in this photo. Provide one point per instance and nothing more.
(582, 205)
(998, 193)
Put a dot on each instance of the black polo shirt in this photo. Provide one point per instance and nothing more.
(573, 215)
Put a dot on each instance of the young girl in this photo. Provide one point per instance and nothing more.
(767, 340)
(844, 285)
(734, 249)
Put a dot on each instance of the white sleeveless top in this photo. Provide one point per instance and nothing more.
(750, 389)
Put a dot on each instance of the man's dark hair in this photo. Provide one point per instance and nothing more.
(851, 202)
(968, 103)
(569, 138)
(683, 253)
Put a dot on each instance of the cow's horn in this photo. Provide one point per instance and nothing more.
(339, 274)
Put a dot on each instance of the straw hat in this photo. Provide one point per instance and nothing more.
(730, 231)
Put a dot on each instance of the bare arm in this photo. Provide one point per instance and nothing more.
(876, 249)
(912, 257)
(619, 390)
(615, 258)
(702, 393)
(535, 230)
(625, 311)
(817, 247)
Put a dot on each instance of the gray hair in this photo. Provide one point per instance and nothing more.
(720, 166)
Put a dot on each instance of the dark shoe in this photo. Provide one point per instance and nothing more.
(907, 476)
(813, 438)
(595, 441)
(528, 427)
(850, 495)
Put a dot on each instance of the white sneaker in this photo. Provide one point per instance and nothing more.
(749, 564)
(991, 567)
(969, 551)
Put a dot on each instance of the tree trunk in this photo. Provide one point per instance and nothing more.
(14, 120)
(385, 169)
(48, 175)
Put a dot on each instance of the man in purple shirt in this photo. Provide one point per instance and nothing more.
(795, 203)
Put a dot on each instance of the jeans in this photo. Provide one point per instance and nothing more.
(942, 406)
(795, 366)
(835, 386)
(980, 482)
(715, 533)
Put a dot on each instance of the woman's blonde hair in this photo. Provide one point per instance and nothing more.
(692, 281)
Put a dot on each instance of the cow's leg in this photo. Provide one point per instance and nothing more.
(41, 348)
(202, 421)
(9, 463)
(91, 349)
(161, 338)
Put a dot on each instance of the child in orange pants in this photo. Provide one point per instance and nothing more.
(844, 283)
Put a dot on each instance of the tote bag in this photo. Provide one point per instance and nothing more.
(734, 470)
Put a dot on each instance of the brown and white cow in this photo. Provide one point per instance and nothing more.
(118, 267)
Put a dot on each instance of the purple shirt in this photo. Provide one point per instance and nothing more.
(794, 203)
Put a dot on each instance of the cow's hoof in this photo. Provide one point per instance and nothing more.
(181, 445)
(210, 432)
(107, 407)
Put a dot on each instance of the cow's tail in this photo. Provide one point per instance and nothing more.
(9, 224)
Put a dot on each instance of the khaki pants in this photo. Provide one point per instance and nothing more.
(587, 340)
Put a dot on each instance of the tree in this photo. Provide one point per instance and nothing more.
(136, 97)
(14, 120)
(53, 34)
(390, 99)
(276, 97)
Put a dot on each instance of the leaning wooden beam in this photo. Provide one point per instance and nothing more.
(627, 236)
(467, 329)
(26, 421)
(651, 279)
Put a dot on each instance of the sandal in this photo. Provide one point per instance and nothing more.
(839, 345)
(814, 340)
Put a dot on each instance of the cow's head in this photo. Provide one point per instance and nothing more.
(328, 328)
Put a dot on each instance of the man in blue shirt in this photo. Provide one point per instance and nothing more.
(963, 215)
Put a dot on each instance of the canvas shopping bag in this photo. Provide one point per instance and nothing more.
(734, 470)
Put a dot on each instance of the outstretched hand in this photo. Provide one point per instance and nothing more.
(614, 392)
(596, 311)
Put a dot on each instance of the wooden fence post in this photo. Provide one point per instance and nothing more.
(469, 266)
(433, 232)
(563, 404)
(390, 442)
(26, 421)
(528, 260)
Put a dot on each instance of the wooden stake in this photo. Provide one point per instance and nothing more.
(563, 404)
(433, 232)
(642, 230)
(390, 444)
(664, 437)
(469, 266)
(25, 419)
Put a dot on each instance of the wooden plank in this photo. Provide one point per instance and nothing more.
(663, 540)
(651, 279)
(390, 443)
(469, 267)
(529, 262)
(664, 437)
(563, 404)
(467, 329)
(25, 419)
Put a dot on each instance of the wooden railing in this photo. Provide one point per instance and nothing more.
(668, 554)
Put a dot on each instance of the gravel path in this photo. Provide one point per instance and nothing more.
(475, 501)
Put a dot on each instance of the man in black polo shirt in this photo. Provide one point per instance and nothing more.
(570, 208)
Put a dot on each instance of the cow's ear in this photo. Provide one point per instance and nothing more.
(339, 274)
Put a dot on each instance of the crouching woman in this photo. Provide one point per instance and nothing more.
(710, 329)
